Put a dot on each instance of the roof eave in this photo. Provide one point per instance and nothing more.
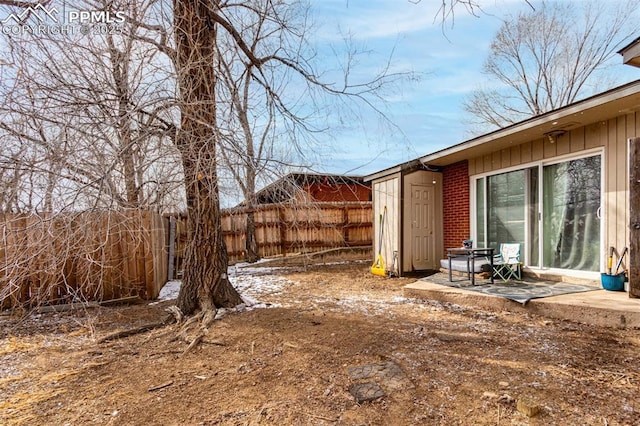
(547, 122)
(631, 53)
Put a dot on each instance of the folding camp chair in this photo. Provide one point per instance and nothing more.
(507, 265)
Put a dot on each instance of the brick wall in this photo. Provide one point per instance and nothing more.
(340, 192)
(455, 203)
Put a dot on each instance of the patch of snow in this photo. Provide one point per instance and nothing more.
(170, 290)
(259, 284)
(251, 282)
(249, 301)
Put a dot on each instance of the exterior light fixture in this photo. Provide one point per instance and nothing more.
(553, 135)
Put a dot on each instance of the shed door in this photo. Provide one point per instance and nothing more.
(422, 224)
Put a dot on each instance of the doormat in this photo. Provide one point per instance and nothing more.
(518, 291)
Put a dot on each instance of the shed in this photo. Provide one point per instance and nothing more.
(411, 195)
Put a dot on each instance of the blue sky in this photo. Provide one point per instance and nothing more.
(428, 113)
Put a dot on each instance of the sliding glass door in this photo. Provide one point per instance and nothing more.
(571, 224)
(552, 210)
(501, 209)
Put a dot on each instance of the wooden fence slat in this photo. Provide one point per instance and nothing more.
(172, 247)
(106, 276)
(147, 238)
(159, 255)
(20, 233)
(136, 225)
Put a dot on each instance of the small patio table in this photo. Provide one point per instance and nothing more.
(471, 254)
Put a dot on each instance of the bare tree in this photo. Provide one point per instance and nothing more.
(250, 123)
(198, 27)
(86, 105)
(205, 283)
(87, 122)
(544, 59)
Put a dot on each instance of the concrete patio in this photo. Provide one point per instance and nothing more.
(598, 307)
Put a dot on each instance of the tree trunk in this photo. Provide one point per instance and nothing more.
(120, 73)
(252, 255)
(205, 285)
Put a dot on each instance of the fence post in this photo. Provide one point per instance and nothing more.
(282, 228)
(345, 225)
(172, 246)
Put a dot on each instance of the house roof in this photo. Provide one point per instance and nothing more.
(286, 187)
(603, 106)
(631, 53)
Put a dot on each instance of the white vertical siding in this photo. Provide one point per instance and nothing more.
(386, 192)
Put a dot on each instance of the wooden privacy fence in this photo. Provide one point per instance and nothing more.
(283, 229)
(104, 255)
(88, 256)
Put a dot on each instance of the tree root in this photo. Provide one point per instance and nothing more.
(195, 342)
(192, 320)
(176, 312)
(202, 320)
(131, 332)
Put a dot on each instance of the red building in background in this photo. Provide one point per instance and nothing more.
(305, 188)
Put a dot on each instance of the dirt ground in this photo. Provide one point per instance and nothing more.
(310, 354)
